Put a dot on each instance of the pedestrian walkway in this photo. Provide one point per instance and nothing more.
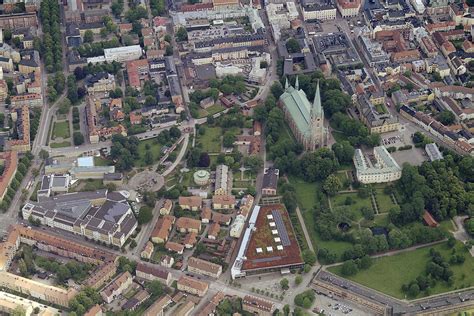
(305, 232)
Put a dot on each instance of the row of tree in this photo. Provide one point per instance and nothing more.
(22, 169)
(51, 48)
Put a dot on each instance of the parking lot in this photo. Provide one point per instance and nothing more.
(403, 137)
(336, 307)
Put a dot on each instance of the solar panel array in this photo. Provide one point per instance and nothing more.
(280, 225)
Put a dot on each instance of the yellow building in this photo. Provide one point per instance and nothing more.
(36, 289)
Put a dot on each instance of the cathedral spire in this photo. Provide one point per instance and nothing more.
(297, 84)
(316, 109)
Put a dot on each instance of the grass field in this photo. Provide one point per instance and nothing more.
(388, 274)
(60, 145)
(384, 201)
(306, 195)
(61, 130)
(99, 161)
(211, 140)
(216, 108)
(357, 202)
(344, 179)
(155, 149)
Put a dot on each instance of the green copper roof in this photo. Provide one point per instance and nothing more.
(300, 109)
(317, 109)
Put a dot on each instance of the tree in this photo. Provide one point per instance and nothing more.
(293, 46)
(175, 132)
(254, 163)
(72, 93)
(148, 158)
(367, 212)
(43, 154)
(145, 215)
(298, 279)
(349, 268)
(309, 257)
(181, 34)
(228, 139)
(332, 185)
(284, 283)
(344, 151)
(88, 36)
(78, 138)
(204, 160)
(446, 117)
(414, 290)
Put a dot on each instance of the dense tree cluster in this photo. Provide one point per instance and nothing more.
(23, 166)
(71, 270)
(305, 299)
(125, 151)
(446, 117)
(97, 48)
(229, 84)
(136, 13)
(51, 48)
(352, 266)
(437, 270)
(92, 69)
(117, 7)
(198, 95)
(55, 86)
(72, 93)
(83, 301)
(158, 7)
(442, 187)
(355, 131)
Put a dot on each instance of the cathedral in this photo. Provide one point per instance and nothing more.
(305, 120)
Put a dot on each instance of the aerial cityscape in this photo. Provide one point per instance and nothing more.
(236, 157)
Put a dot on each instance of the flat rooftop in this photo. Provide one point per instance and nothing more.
(273, 244)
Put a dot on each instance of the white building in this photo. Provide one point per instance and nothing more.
(258, 74)
(383, 169)
(223, 180)
(226, 70)
(237, 226)
(318, 10)
(118, 54)
(280, 15)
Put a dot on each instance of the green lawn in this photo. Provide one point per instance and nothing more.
(344, 179)
(447, 225)
(241, 184)
(357, 202)
(384, 201)
(381, 108)
(388, 274)
(211, 140)
(60, 145)
(61, 129)
(100, 161)
(154, 147)
(188, 179)
(306, 195)
(211, 110)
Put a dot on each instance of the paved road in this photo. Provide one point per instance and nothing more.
(147, 229)
(181, 154)
(432, 303)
